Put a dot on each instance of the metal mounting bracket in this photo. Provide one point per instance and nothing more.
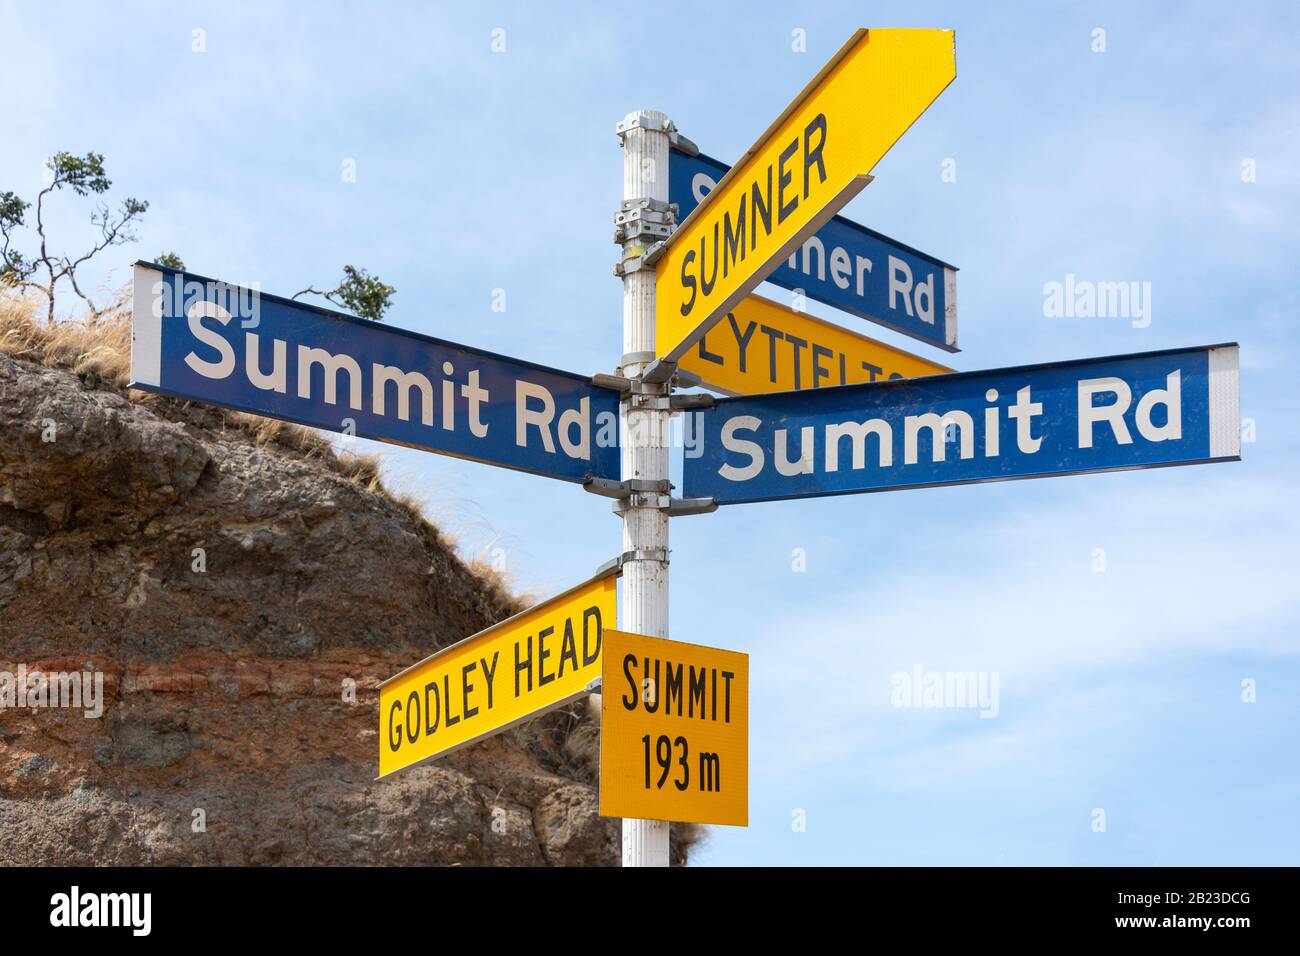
(606, 487)
(645, 400)
(652, 486)
(641, 554)
(636, 358)
(641, 499)
(641, 392)
(673, 507)
(616, 383)
(682, 144)
(655, 252)
(694, 400)
(685, 379)
(659, 370)
(650, 219)
(641, 120)
(691, 506)
(609, 488)
(637, 256)
(650, 389)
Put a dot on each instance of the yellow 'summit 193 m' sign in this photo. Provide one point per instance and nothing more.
(809, 163)
(674, 731)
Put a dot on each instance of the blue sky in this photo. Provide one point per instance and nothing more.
(477, 170)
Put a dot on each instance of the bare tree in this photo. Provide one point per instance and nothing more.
(43, 272)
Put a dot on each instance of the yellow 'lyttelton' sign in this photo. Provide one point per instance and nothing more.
(761, 346)
(674, 731)
(528, 664)
(802, 171)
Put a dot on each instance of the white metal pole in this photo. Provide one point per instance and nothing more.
(645, 136)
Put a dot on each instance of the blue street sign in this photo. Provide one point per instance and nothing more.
(227, 345)
(1177, 407)
(847, 266)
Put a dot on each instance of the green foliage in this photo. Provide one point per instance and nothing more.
(171, 260)
(12, 209)
(12, 264)
(364, 294)
(359, 292)
(84, 174)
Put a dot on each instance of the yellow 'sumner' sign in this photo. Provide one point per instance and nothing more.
(802, 171)
(533, 662)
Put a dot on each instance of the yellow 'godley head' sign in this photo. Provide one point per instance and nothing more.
(761, 346)
(674, 731)
(802, 171)
(540, 659)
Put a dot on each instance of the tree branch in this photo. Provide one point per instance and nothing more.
(44, 257)
(94, 312)
(113, 234)
(327, 296)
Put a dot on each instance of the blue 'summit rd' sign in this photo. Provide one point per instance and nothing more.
(1176, 407)
(847, 266)
(214, 342)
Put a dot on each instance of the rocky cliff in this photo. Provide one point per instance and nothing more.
(233, 580)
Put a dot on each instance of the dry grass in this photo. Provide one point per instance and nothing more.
(581, 746)
(102, 346)
(683, 838)
(272, 431)
(488, 565)
(361, 470)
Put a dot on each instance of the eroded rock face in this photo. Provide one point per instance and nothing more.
(229, 593)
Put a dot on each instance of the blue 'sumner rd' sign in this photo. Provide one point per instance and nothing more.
(1176, 407)
(220, 343)
(847, 266)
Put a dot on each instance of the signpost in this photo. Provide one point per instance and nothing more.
(646, 416)
(821, 411)
(674, 731)
(764, 347)
(227, 345)
(855, 269)
(534, 662)
(1147, 410)
(803, 170)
